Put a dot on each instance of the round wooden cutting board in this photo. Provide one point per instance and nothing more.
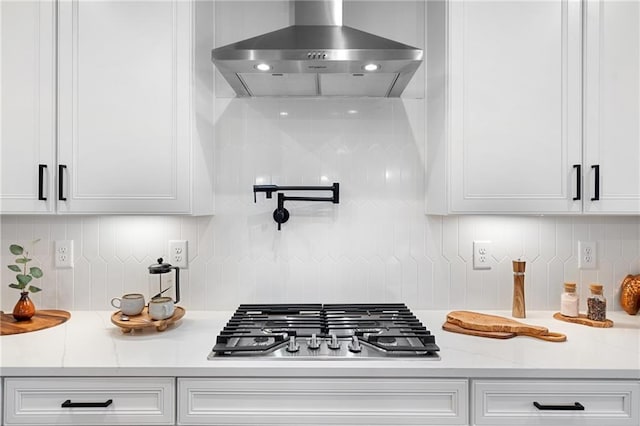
(42, 319)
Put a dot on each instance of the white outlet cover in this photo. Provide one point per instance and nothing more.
(63, 254)
(178, 253)
(482, 255)
(587, 255)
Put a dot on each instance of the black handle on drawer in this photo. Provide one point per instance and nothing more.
(69, 404)
(61, 169)
(575, 407)
(596, 195)
(578, 168)
(41, 169)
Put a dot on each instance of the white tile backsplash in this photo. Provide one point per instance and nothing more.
(375, 246)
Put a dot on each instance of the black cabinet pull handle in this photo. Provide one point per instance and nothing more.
(596, 196)
(578, 168)
(41, 169)
(61, 169)
(69, 404)
(575, 407)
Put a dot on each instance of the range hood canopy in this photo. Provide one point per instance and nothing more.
(317, 56)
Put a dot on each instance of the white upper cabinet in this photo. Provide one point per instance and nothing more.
(124, 114)
(127, 139)
(612, 107)
(504, 106)
(528, 112)
(27, 93)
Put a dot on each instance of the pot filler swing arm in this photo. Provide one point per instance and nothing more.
(280, 214)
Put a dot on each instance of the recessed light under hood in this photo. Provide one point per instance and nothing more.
(317, 56)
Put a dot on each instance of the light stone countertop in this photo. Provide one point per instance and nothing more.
(90, 345)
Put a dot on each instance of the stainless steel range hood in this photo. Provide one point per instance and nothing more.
(317, 56)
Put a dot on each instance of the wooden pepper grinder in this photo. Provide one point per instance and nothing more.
(518, 310)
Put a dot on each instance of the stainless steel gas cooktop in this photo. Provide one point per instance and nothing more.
(332, 331)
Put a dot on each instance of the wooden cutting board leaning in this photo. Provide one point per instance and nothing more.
(497, 327)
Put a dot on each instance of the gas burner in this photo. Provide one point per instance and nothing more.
(333, 331)
(387, 340)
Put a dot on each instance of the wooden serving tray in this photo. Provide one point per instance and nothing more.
(582, 319)
(45, 318)
(137, 322)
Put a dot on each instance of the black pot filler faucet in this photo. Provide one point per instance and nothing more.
(280, 214)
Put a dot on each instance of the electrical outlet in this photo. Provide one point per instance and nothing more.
(481, 253)
(178, 255)
(587, 255)
(63, 254)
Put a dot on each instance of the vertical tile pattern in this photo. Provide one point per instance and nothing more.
(375, 246)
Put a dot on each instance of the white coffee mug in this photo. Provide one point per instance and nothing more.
(161, 308)
(129, 304)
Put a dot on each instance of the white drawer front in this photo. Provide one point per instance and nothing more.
(511, 402)
(134, 401)
(322, 401)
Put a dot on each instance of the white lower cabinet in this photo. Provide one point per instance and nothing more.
(271, 401)
(89, 401)
(554, 402)
(322, 401)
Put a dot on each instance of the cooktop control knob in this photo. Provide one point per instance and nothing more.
(355, 346)
(293, 346)
(313, 342)
(334, 343)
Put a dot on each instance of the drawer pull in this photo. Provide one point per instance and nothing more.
(596, 188)
(578, 168)
(61, 169)
(41, 169)
(575, 407)
(69, 404)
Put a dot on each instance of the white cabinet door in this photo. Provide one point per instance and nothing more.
(555, 403)
(318, 401)
(504, 134)
(27, 93)
(124, 106)
(515, 105)
(612, 107)
(89, 401)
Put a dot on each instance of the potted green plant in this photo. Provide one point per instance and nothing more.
(25, 308)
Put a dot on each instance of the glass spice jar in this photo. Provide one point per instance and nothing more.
(569, 301)
(596, 304)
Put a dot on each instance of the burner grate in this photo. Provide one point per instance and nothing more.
(388, 329)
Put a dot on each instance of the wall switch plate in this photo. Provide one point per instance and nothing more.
(178, 255)
(587, 258)
(481, 253)
(63, 253)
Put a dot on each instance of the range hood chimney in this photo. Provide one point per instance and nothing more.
(317, 56)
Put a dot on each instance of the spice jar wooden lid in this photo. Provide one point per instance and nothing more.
(570, 287)
(596, 288)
